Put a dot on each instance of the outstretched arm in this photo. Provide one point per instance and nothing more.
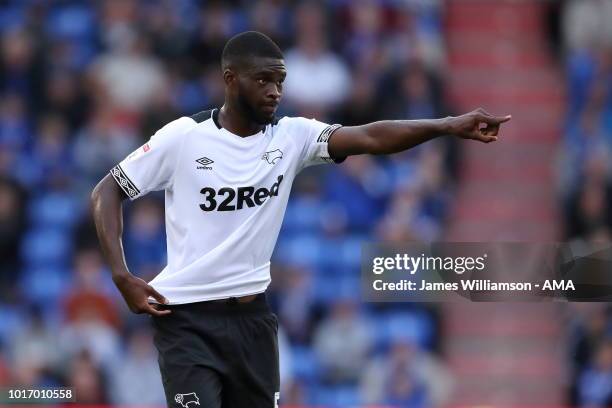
(106, 202)
(392, 136)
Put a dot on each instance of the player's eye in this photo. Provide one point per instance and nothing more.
(261, 81)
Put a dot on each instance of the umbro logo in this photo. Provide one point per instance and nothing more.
(204, 161)
(272, 156)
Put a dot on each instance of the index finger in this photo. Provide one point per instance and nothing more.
(495, 120)
(157, 296)
(151, 309)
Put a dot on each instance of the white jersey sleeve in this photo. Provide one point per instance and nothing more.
(151, 167)
(313, 137)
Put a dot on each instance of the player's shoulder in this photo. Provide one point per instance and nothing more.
(180, 126)
(291, 120)
(307, 128)
(202, 116)
(295, 123)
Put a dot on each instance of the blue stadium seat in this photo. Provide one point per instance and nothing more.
(55, 210)
(12, 319)
(74, 22)
(336, 396)
(44, 284)
(413, 326)
(190, 96)
(329, 289)
(305, 363)
(45, 246)
(11, 17)
(303, 249)
(303, 215)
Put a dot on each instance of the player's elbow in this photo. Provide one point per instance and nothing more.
(96, 199)
(102, 193)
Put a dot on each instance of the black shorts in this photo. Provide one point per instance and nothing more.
(219, 354)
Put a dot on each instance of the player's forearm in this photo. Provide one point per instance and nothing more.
(392, 136)
(107, 212)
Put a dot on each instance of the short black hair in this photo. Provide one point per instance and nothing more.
(249, 44)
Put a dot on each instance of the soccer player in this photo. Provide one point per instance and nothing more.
(227, 173)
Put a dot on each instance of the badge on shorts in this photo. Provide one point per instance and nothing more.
(185, 399)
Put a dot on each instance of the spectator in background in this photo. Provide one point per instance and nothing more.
(271, 17)
(102, 142)
(361, 189)
(167, 31)
(26, 374)
(92, 319)
(406, 390)
(588, 138)
(128, 77)
(34, 358)
(86, 379)
(295, 306)
(595, 384)
(64, 91)
(12, 222)
(592, 211)
(87, 333)
(4, 369)
(589, 326)
(35, 347)
(367, 25)
(215, 26)
(406, 376)
(135, 377)
(145, 238)
(15, 139)
(21, 70)
(412, 93)
(341, 343)
(15, 130)
(164, 107)
(51, 154)
(90, 294)
(416, 36)
(405, 218)
(586, 175)
(285, 362)
(586, 24)
(317, 80)
(364, 106)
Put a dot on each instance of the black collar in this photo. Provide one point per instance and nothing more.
(215, 118)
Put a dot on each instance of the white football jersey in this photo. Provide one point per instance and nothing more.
(225, 199)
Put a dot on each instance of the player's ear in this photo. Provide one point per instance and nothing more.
(228, 76)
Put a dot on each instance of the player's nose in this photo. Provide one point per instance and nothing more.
(274, 93)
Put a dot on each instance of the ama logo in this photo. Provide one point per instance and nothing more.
(185, 399)
(273, 156)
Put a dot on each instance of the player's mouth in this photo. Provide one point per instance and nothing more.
(269, 107)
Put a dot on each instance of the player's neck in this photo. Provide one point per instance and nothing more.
(237, 122)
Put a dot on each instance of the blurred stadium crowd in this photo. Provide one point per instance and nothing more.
(586, 184)
(82, 84)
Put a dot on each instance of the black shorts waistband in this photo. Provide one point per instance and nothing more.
(226, 306)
